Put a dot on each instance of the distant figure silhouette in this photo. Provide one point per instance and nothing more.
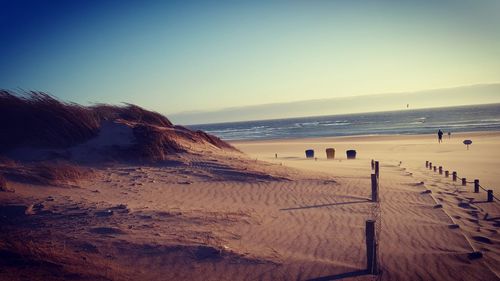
(449, 135)
(440, 136)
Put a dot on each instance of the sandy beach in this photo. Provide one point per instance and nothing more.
(416, 238)
(225, 215)
(479, 162)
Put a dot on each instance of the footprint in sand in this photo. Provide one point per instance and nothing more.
(416, 184)
(106, 230)
(465, 205)
(473, 220)
(88, 248)
(145, 217)
(482, 239)
(105, 213)
(474, 213)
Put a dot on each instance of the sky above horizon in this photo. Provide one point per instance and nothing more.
(176, 56)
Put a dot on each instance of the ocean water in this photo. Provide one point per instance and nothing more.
(420, 121)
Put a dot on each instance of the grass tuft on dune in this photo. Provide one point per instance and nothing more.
(40, 121)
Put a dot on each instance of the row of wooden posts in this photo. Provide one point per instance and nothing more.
(371, 235)
(375, 180)
(455, 178)
(372, 264)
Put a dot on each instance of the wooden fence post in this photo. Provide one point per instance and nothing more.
(447, 174)
(377, 169)
(373, 164)
(371, 248)
(476, 186)
(435, 169)
(374, 188)
(440, 170)
(490, 195)
(430, 165)
(454, 176)
(426, 164)
(464, 181)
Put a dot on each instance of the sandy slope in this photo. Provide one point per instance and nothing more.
(227, 217)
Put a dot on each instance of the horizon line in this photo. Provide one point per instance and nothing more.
(332, 98)
(344, 114)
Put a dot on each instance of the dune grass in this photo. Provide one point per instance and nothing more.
(38, 120)
(41, 173)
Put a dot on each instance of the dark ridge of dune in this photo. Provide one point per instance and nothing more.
(36, 120)
(132, 113)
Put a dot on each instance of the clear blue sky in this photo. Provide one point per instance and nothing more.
(203, 55)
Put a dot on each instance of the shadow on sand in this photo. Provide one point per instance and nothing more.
(326, 205)
(341, 275)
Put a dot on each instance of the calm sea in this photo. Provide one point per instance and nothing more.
(421, 121)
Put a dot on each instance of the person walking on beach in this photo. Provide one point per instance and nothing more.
(440, 136)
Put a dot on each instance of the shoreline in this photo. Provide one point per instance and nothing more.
(366, 137)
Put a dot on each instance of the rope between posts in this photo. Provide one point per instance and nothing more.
(480, 186)
(494, 197)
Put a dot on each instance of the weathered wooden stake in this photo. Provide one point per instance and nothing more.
(374, 188)
(476, 186)
(426, 164)
(464, 181)
(430, 165)
(373, 164)
(447, 174)
(490, 195)
(440, 170)
(454, 176)
(377, 169)
(435, 169)
(371, 248)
